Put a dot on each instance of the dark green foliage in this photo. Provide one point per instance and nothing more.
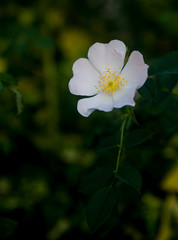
(168, 64)
(149, 89)
(7, 81)
(103, 201)
(100, 207)
(107, 190)
(107, 144)
(7, 78)
(99, 178)
(167, 82)
(130, 176)
(137, 137)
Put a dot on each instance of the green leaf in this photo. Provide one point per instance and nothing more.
(130, 176)
(161, 99)
(137, 137)
(165, 84)
(149, 89)
(99, 178)
(107, 144)
(166, 102)
(127, 194)
(168, 81)
(19, 99)
(100, 207)
(7, 227)
(8, 78)
(165, 65)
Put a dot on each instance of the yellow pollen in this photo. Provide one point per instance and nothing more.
(109, 82)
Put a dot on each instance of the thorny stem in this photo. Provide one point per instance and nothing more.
(120, 146)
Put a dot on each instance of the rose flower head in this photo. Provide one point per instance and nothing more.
(105, 79)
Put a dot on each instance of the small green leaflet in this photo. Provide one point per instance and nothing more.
(8, 78)
(19, 99)
(8, 81)
(99, 178)
(130, 176)
(100, 207)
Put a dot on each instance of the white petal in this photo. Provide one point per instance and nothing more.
(135, 71)
(141, 75)
(119, 47)
(102, 101)
(124, 96)
(84, 79)
(104, 56)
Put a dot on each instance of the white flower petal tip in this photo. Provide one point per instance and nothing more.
(135, 70)
(104, 76)
(82, 109)
(131, 103)
(142, 75)
(84, 79)
(119, 47)
(107, 55)
(100, 102)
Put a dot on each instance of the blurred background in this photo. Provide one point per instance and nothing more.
(47, 150)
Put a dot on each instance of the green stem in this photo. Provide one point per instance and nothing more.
(120, 147)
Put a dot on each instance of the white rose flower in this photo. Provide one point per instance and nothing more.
(104, 77)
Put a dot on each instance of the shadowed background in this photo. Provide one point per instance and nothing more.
(49, 148)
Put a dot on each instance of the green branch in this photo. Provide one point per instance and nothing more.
(121, 142)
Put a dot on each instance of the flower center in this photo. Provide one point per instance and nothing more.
(109, 82)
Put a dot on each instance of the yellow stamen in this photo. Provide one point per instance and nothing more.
(109, 82)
